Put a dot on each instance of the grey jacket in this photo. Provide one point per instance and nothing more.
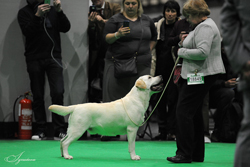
(202, 50)
(235, 26)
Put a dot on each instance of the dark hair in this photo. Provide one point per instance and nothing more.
(172, 4)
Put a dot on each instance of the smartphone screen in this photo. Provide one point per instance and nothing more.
(47, 2)
(126, 23)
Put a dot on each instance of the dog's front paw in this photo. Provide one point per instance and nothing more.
(135, 157)
(68, 157)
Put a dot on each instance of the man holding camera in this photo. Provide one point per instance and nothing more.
(41, 25)
(99, 13)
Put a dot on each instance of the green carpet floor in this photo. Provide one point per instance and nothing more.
(89, 153)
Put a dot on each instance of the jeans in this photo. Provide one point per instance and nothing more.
(37, 70)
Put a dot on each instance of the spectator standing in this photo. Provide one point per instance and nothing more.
(98, 46)
(166, 108)
(41, 25)
(123, 42)
(235, 24)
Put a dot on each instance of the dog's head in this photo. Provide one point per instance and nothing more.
(147, 82)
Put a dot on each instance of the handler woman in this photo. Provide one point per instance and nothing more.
(201, 53)
(124, 43)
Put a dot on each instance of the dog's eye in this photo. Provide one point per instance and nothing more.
(149, 77)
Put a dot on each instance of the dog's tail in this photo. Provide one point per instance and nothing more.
(61, 110)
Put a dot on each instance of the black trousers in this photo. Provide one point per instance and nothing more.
(37, 70)
(166, 110)
(190, 127)
(219, 99)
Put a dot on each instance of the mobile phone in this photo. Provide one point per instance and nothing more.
(126, 23)
(92, 9)
(184, 32)
(47, 2)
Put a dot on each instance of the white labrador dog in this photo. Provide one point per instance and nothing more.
(120, 117)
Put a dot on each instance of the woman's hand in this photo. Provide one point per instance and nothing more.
(112, 37)
(182, 33)
(123, 31)
(182, 36)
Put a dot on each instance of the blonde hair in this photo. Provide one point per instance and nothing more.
(140, 9)
(195, 8)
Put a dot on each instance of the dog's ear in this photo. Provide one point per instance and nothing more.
(140, 84)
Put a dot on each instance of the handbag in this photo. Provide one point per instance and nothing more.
(126, 67)
(177, 73)
(177, 68)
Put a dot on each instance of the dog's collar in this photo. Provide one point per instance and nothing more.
(128, 114)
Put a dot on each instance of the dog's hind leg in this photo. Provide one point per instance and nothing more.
(71, 137)
(61, 148)
(131, 133)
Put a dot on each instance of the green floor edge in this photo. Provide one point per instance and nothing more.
(27, 153)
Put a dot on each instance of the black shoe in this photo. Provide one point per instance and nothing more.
(198, 159)
(95, 136)
(105, 138)
(60, 136)
(214, 137)
(171, 137)
(179, 159)
(160, 136)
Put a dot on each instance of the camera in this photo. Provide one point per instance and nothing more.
(126, 23)
(92, 9)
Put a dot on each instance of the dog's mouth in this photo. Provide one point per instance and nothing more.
(158, 87)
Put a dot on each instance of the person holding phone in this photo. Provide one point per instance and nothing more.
(123, 43)
(41, 25)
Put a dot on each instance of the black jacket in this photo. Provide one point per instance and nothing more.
(38, 44)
